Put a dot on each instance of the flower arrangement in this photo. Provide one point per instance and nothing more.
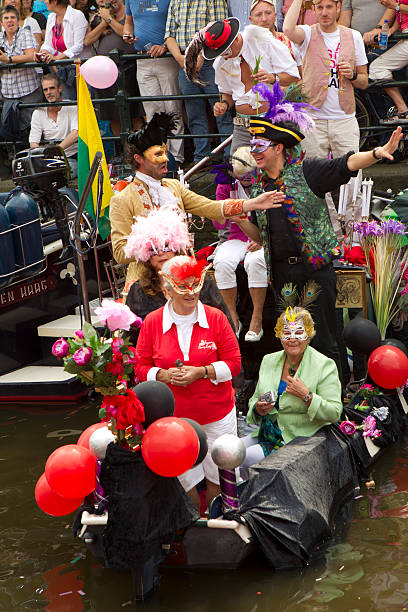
(367, 426)
(387, 261)
(107, 361)
(366, 392)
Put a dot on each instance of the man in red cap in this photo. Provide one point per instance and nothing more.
(241, 59)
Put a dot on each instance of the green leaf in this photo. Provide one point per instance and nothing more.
(102, 413)
(89, 332)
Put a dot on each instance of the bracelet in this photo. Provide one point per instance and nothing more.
(10, 59)
(308, 397)
(355, 75)
(225, 102)
(373, 153)
(205, 372)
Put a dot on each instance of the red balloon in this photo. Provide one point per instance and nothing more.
(50, 502)
(388, 366)
(170, 446)
(83, 439)
(70, 471)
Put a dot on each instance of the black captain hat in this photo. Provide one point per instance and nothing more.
(285, 132)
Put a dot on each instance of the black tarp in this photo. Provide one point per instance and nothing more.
(292, 496)
(145, 509)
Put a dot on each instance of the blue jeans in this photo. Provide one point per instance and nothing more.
(196, 110)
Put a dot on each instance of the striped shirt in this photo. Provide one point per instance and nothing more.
(18, 82)
(186, 17)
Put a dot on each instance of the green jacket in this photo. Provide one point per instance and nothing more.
(295, 418)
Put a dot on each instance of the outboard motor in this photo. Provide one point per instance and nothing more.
(41, 172)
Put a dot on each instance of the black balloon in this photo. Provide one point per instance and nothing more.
(362, 336)
(157, 399)
(202, 438)
(395, 342)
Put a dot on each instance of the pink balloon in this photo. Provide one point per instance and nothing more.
(99, 71)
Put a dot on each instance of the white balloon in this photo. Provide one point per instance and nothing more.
(99, 440)
(228, 451)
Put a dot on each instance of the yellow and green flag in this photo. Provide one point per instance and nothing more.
(89, 142)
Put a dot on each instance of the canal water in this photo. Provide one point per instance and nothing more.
(365, 568)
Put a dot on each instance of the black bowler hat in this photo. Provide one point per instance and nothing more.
(285, 132)
(219, 37)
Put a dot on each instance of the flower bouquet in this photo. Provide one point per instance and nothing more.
(368, 427)
(365, 394)
(107, 361)
(387, 261)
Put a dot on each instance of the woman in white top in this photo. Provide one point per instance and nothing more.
(64, 38)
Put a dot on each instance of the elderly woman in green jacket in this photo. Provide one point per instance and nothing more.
(298, 390)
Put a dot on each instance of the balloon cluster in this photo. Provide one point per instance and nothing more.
(70, 472)
(170, 446)
(388, 360)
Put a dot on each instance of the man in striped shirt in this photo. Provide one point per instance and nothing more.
(184, 19)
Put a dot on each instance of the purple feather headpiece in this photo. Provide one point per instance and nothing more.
(223, 173)
(283, 108)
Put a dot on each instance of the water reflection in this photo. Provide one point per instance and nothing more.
(43, 568)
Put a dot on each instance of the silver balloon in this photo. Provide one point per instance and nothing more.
(99, 440)
(228, 451)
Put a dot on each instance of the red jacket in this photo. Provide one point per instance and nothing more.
(201, 400)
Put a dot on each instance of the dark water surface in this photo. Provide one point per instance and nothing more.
(43, 568)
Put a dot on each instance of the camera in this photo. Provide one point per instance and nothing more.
(268, 397)
(96, 19)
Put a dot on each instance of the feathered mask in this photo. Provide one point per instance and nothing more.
(156, 132)
(289, 106)
(163, 229)
(295, 320)
(177, 270)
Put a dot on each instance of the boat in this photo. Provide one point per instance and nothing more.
(290, 507)
(40, 293)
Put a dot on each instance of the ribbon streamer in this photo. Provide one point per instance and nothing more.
(229, 490)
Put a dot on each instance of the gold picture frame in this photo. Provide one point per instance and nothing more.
(352, 289)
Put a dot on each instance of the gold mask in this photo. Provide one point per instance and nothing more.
(157, 154)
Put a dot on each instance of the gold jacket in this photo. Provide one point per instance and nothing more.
(135, 200)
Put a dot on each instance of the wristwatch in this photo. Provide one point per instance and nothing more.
(374, 154)
(109, 20)
(308, 397)
(205, 372)
(355, 75)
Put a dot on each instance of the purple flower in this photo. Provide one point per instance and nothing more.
(348, 427)
(83, 355)
(393, 227)
(79, 334)
(60, 348)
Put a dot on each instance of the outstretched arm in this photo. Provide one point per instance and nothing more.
(364, 159)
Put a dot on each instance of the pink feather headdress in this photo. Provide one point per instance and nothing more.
(162, 229)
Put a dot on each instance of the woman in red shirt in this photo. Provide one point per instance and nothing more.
(200, 339)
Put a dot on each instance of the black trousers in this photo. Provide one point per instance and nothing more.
(323, 310)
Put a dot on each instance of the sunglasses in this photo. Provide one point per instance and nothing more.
(155, 250)
(259, 145)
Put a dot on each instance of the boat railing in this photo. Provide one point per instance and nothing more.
(123, 99)
(16, 233)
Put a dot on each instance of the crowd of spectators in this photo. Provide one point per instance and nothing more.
(49, 30)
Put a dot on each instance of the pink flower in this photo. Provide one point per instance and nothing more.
(367, 387)
(348, 427)
(137, 322)
(83, 355)
(79, 334)
(60, 348)
(405, 290)
(115, 315)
